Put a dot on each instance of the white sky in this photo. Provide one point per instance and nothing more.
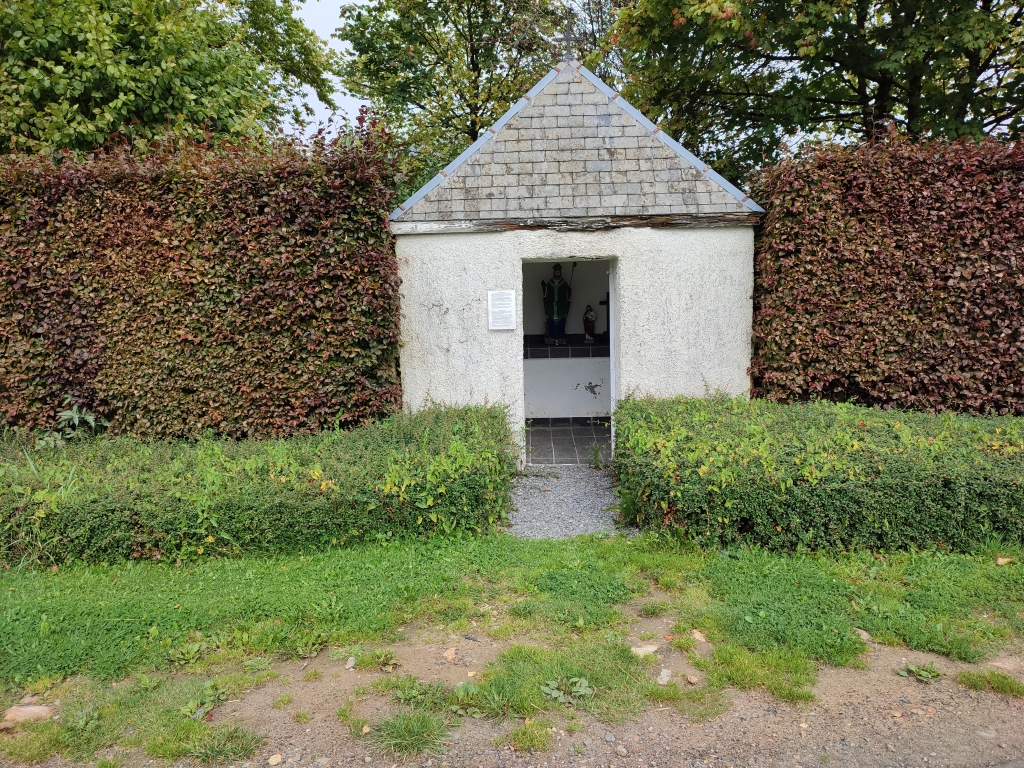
(322, 17)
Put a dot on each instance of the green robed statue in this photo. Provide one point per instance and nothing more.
(557, 298)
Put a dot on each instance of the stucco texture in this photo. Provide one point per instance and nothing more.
(681, 310)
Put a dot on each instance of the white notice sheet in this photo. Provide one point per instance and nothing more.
(501, 310)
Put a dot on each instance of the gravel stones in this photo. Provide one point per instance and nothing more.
(562, 502)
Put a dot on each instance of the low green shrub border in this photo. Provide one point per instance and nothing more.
(819, 475)
(437, 471)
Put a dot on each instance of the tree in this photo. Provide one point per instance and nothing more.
(592, 22)
(74, 72)
(443, 71)
(734, 77)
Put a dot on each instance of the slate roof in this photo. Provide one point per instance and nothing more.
(573, 148)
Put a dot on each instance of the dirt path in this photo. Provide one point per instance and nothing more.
(863, 717)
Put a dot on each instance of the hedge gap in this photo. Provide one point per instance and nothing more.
(252, 291)
(892, 274)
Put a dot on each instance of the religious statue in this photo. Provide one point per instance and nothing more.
(589, 320)
(557, 296)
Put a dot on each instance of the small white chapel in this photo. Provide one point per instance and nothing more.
(573, 256)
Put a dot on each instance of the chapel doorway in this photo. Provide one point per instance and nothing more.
(567, 353)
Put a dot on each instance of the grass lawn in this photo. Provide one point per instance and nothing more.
(183, 639)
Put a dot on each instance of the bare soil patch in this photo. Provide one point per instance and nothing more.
(866, 717)
(863, 717)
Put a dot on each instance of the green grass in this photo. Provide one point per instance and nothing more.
(223, 744)
(534, 735)
(357, 726)
(786, 673)
(215, 624)
(990, 680)
(96, 715)
(381, 659)
(654, 608)
(109, 620)
(410, 733)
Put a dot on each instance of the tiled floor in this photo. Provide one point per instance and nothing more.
(568, 441)
(534, 347)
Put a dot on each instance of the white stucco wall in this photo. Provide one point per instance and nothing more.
(681, 310)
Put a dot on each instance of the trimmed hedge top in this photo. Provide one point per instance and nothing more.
(819, 474)
(892, 273)
(436, 471)
(251, 291)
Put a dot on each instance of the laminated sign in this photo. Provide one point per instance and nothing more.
(501, 310)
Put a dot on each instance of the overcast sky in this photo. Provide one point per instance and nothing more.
(322, 17)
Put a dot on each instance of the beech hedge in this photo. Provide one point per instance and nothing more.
(819, 475)
(892, 274)
(436, 472)
(251, 290)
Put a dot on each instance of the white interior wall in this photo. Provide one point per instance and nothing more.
(682, 310)
(589, 285)
(574, 386)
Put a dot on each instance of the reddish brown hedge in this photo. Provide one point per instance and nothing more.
(892, 274)
(252, 291)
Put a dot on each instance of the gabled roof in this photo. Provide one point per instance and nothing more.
(572, 148)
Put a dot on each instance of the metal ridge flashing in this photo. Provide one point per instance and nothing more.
(671, 143)
(449, 169)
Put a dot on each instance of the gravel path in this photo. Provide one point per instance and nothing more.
(561, 502)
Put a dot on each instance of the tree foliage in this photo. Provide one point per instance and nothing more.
(72, 72)
(733, 77)
(442, 71)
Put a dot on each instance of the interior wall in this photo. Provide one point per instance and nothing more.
(589, 286)
(562, 387)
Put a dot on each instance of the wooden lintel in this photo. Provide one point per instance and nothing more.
(583, 224)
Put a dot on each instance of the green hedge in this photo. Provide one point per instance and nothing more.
(437, 471)
(819, 475)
